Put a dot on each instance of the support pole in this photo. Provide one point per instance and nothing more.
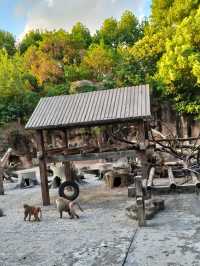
(43, 168)
(172, 181)
(140, 201)
(67, 164)
(195, 180)
(151, 177)
(143, 144)
(1, 182)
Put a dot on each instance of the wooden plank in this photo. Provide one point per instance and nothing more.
(92, 156)
(43, 169)
(163, 190)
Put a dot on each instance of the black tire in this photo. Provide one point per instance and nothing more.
(69, 184)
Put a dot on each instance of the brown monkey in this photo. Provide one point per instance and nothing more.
(64, 205)
(32, 210)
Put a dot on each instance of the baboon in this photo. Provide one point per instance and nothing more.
(32, 210)
(64, 205)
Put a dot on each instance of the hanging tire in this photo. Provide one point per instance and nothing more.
(69, 190)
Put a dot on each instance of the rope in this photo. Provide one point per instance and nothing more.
(131, 242)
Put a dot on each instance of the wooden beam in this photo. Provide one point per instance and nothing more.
(92, 156)
(163, 190)
(43, 168)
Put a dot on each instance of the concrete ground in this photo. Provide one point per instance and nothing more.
(172, 238)
(102, 236)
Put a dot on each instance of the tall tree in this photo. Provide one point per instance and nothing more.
(81, 35)
(108, 32)
(128, 28)
(32, 38)
(7, 41)
(179, 67)
(17, 99)
(100, 60)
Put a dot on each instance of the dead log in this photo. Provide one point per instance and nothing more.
(172, 181)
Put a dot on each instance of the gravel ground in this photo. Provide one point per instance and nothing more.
(100, 237)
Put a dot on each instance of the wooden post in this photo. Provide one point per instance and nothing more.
(195, 180)
(143, 143)
(43, 168)
(172, 181)
(1, 182)
(150, 179)
(140, 201)
(68, 172)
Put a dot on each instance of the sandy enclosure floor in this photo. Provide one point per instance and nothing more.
(100, 237)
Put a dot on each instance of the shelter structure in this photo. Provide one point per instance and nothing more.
(86, 110)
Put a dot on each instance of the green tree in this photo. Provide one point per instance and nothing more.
(7, 41)
(179, 67)
(81, 35)
(17, 100)
(99, 60)
(108, 32)
(32, 38)
(128, 28)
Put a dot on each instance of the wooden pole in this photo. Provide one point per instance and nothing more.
(140, 201)
(143, 144)
(150, 179)
(43, 168)
(172, 181)
(195, 180)
(67, 164)
(1, 182)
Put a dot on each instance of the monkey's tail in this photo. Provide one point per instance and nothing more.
(79, 206)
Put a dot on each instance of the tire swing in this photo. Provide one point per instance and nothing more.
(69, 190)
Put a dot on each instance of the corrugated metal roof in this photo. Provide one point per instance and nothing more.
(91, 108)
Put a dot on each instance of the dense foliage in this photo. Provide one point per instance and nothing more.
(163, 51)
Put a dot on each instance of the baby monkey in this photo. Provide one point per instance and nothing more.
(32, 210)
(64, 205)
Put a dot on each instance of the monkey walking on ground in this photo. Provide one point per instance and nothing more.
(32, 210)
(64, 205)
